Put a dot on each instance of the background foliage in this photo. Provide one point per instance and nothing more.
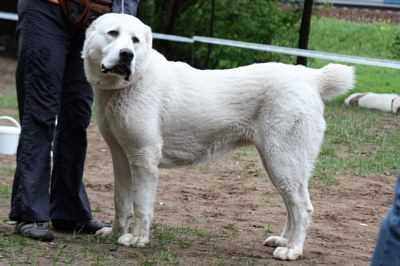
(260, 21)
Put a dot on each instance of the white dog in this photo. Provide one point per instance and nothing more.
(386, 102)
(156, 113)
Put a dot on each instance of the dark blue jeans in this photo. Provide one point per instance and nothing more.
(50, 84)
(387, 250)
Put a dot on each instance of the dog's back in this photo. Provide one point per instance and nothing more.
(209, 112)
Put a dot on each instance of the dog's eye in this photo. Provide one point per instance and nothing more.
(113, 33)
(135, 39)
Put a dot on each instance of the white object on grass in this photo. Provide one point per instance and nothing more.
(386, 102)
(9, 136)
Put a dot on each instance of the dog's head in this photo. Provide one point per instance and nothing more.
(396, 105)
(116, 45)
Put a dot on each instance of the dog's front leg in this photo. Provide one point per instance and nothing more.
(123, 192)
(144, 169)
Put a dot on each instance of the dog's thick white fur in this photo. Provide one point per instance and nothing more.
(386, 102)
(167, 113)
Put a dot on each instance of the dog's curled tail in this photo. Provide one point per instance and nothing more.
(335, 80)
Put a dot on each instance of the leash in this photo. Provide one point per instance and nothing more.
(91, 9)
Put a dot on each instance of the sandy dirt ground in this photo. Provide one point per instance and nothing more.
(233, 200)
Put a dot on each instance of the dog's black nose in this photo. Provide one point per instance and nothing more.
(125, 55)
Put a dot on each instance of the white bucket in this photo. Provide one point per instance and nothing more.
(9, 136)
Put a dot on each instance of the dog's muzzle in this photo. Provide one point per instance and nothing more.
(123, 67)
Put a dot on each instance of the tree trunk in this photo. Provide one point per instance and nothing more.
(305, 30)
(170, 11)
(211, 31)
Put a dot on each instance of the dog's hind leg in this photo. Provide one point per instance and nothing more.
(288, 152)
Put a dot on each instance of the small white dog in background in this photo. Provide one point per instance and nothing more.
(156, 113)
(386, 102)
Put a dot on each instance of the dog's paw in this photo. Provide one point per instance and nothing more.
(275, 241)
(285, 253)
(104, 232)
(125, 240)
(129, 240)
(140, 241)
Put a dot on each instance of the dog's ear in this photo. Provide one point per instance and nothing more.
(396, 105)
(89, 35)
(149, 37)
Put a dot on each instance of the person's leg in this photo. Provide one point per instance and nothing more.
(68, 200)
(42, 43)
(387, 250)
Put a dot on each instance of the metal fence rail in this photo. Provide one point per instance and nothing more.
(365, 4)
(8, 16)
(301, 52)
(379, 4)
(282, 50)
(395, 4)
(266, 48)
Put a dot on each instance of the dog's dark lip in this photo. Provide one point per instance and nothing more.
(119, 69)
(104, 69)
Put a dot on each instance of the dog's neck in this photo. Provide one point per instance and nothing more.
(112, 83)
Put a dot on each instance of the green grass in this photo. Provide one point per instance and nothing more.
(5, 192)
(360, 39)
(167, 244)
(359, 142)
(70, 250)
(9, 100)
(6, 170)
(374, 40)
(5, 189)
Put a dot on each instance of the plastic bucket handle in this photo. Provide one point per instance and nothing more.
(9, 118)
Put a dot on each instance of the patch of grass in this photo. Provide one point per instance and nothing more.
(96, 209)
(5, 191)
(167, 241)
(268, 229)
(361, 39)
(358, 142)
(181, 236)
(11, 248)
(164, 257)
(9, 100)
(230, 230)
(353, 38)
(7, 170)
(66, 250)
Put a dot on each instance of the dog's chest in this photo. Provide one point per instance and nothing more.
(114, 109)
(119, 104)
